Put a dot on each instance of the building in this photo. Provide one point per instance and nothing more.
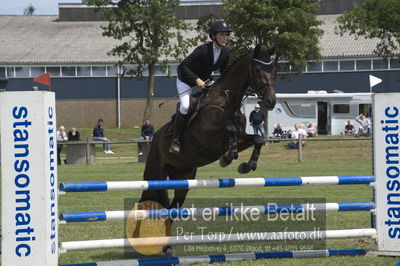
(87, 85)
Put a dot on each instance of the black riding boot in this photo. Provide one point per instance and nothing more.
(178, 127)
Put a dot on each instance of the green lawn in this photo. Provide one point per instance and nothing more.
(320, 159)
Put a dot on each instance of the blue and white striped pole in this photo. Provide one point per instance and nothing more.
(230, 257)
(216, 183)
(214, 211)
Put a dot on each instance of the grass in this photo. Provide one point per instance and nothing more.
(320, 158)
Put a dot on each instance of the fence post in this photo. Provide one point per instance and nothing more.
(87, 151)
(300, 149)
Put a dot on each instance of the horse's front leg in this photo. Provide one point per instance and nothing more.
(232, 152)
(246, 142)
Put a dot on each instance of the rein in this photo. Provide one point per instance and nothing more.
(264, 65)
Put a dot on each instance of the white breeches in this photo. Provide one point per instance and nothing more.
(184, 91)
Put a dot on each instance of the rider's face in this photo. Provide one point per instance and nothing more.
(221, 38)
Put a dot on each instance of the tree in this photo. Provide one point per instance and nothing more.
(150, 34)
(29, 10)
(203, 26)
(375, 19)
(290, 27)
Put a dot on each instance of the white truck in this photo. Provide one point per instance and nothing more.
(328, 112)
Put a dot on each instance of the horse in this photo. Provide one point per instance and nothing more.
(216, 131)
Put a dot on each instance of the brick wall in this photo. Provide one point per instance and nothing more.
(85, 113)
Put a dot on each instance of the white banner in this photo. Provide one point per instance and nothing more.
(386, 112)
(29, 178)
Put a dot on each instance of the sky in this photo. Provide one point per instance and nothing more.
(42, 7)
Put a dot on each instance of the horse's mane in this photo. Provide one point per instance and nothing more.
(227, 70)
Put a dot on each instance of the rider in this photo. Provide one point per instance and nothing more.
(196, 69)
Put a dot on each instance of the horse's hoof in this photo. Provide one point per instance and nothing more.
(254, 167)
(225, 160)
(244, 168)
(222, 162)
(235, 155)
(168, 252)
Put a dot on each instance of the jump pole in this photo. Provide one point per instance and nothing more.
(185, 260)
(216, 238)
(269, 209)
(216, 183)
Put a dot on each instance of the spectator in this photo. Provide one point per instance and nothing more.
(61, 136)
(257, 119)
(294, 144)
(147, 134)
(73, 134)
(311, 131)
(349, 128)
(278, 131)
(98, 134)
(365, 128)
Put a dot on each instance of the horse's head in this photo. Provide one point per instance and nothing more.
(261, 72)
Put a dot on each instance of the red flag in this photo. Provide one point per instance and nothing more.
(43, 79)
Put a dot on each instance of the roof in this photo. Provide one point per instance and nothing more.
(42, 39)
(36, 39)
(334, 45)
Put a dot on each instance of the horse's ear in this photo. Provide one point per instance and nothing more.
(256, 50)
(260, 47)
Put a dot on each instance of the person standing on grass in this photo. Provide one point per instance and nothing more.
(257, 119)
(147, 133)
(98, 134)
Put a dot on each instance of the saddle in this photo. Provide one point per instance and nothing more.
(197, 101)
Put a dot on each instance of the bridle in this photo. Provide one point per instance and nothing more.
(266, 66)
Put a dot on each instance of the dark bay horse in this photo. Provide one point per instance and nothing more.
(216, 132)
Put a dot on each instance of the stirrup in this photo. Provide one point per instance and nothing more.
(175, 147)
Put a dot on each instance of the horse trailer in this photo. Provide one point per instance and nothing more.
(328, 112)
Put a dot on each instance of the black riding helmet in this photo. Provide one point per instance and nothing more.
(218, 26)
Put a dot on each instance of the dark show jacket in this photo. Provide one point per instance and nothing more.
(77, 136)
(256, 118)
(147, 130)
(200, 64)
(98, 131)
